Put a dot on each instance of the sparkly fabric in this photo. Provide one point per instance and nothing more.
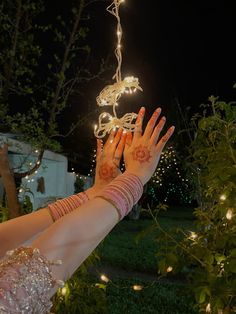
(25, 282)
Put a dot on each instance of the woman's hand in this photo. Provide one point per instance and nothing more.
(108, 159)
(143, 150)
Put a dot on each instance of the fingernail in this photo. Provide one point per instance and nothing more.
(141, 111)
(158, 110)
(172, 128)
(163, 119)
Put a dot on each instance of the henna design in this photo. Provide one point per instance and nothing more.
(141, 154)
(107, 172)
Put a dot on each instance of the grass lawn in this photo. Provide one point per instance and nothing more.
(124, 255)
(160, 298)
(128, 262)
(122, 247)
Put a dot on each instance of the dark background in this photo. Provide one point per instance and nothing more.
(181, 51)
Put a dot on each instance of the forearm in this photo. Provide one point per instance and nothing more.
(17, 231)
(22, 229)
(72, 238)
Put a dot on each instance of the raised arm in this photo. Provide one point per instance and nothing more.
(72, 238)
(24, 229)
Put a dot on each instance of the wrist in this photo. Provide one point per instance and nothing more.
(140, 177)
(92, 192)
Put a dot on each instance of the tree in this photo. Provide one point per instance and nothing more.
(39, 82)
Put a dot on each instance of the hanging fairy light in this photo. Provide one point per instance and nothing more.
(110, 95)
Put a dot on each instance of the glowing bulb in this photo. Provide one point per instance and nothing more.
(36, 151)
(38, 162)
(208, 308)
(20, 190)
(104, 278)
(169, 269)
(118, 33)
(63, 291)
(229, 214)
(193, 235)
(119, 46)
(223, 197)
(137, 287)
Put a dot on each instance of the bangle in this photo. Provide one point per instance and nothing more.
(65, 206)
(123, 193)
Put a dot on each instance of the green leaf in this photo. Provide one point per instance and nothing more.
(219, 257)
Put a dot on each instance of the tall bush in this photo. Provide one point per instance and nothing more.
(208, 253)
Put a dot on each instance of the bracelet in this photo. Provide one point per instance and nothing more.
(123, 193)
(65, 206)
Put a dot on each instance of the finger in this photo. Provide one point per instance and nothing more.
(129, 139)
(139, 124)
(120, 149)
(157, 131)
(161, 144)
(117, 138)
(110, 139)
(151, 123)
(99, 149)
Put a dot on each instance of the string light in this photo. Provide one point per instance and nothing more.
(110, 95)
(104, 278)
(223, 197)
(229, 214)
(193, 235)
(169, 269)
(169, 166)
(137, 287)
(208, 308)
(63, 291)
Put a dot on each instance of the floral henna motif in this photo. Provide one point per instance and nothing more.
(107, 172)
(141, 154)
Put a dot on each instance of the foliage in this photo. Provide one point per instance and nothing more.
(209, 251)
(79, 185)
(80, 294)
(3, 213)
(169, 183)
(26, 207)
(31, 77)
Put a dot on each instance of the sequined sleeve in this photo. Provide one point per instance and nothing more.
(25, 282)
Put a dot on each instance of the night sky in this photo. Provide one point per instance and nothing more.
(182, 51)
